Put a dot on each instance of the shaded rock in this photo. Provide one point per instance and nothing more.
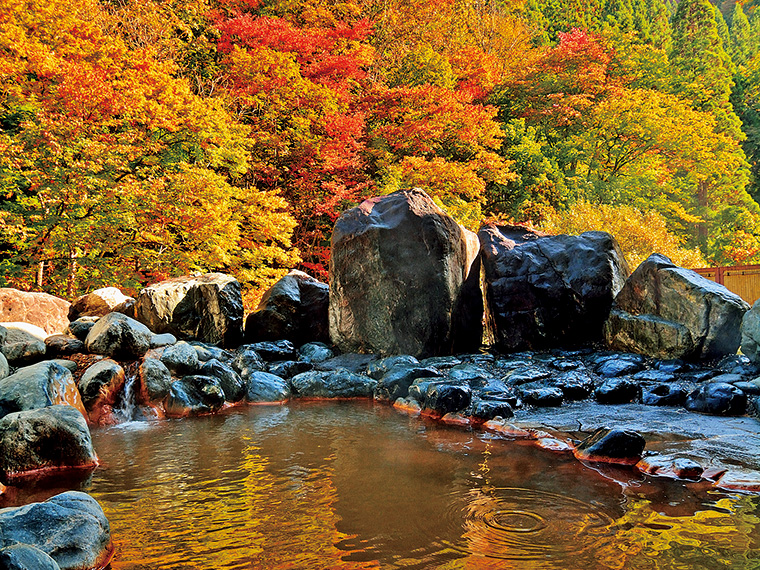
(97, 303)
(193, 395)
(208, 308)
(38, 386)
(247, 361)
(564, 365)
(575, 384)
(62, 345)
(379, 368)
(496, 390)
(295, 308)
(549, 291)
(101, 386)
(40, 309)
(24, 353)
(441, 362)
(231, 383)
(395, 383)
(5, 369)
(315, 352)
(658, 376)
(207, 352)
(541, 397)
(617, 391)
(738, 364)
(155, 381)
(471, 374)
(670, 312)
(486, 410)
(127, 307)
(263, 387)
(289, 368)
(119, 336)
(686, 468)
(404, 279)
(612, 446)
(80, 328)
(274, 350)
(525, 374)
(26, 557)
(750, 332)
(45, 440)
(419, 389)
(618, 367)
(71, 528)
(339, 383)
(673, 366)
(717, 399)
(159, 340)
(443, 399)
(356, 363)
(181, 358)
(663, 395)
(727, 378)
(751, 388)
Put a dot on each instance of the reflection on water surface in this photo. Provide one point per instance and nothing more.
(353, 485)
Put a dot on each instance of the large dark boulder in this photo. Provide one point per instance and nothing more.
(97, 303)
(194, 395)
(263, 387)
(336, 384)
(208, 308)
(119, 336)
(41, 309)
(155, 381)
(231, 383)
(751, 332)
(100, 386)
(295, 308)
(44, 441)
(26, 557)
(667, 311)
(442, 399)
(404, 279)
(717, 398)
(181, 358)
(71, 528)
(612, 446)
(549, 291)
(44, 384)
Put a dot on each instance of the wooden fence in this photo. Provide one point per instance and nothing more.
(744, 280)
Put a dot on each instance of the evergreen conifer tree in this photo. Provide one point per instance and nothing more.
(741, 37)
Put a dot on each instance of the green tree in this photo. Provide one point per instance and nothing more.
(741, 37)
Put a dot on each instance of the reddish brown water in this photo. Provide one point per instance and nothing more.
(353, 485)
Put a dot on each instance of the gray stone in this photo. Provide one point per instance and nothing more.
(26, 557)
(194, 395)
(4, 367)
(247, 361)
(119, 336)
(160, 340)
(101, 385)
(670, 312)
(272, 351)
(63, 345)
(663, 395)
(263, 387)
(380, 368)
(395, 383)
(289, 368)
(315, 352)
(443, 399)
(231, 383)
(37, 386)
(81, 327)
(208, 308)
(404, 279)
(155, 380)
(486, 410)
(339, 383)
(617, 391)
(541, 397)
(181, 358)
(24, 353)
(356, 363)
(717, 399)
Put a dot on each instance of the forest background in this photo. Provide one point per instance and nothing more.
(141, 139)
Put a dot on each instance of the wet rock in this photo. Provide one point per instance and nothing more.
(618, 367)
(26, 557)
(549, 291)
(564, 365)
(404, 279)
(289, 368)
(541, 397)
(356, 363)
(80, 328)
(181, 358)
(686, 468)
(525, 374)
(315, 352)
(395, 383)
(681, 467)
(726, 378)
(672, 366)
(62, 345)
(45, 311)
(750, 333)
(717, 399)
(471, 374)
(295, 308)
(97, 303)
(155, 381)
(443, 399)
(161, 340)
(101, 386)
(617, 391)
(419, 388)
(486, 410)
(24, 353)
(656, 376)
(193, 395)
(380, 368)
(670, 312)
(274, 350)
(232, 384)
(208, 308)
(496, 390)
(751, 388)
(44, 440)
(738, 364)
(5, 369)
(575, 384)
(612, 446)
(247, 361)
(262, 387)
(340, 383)
(37, 386)
(663, 395)
(71, 528)
(441, 362)
(479, 358)
(119, 336)
(206, 352)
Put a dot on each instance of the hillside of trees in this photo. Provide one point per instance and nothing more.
(146, 138)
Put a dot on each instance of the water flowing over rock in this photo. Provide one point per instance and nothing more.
(671, 312)
(119, 336)
(295, 308)
(97, 303)
(37, 386)
(71, 528)
(549, 291)
(41, 309)
(208, 308)
(44, 440)
(404, 279)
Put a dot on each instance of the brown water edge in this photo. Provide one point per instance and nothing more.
(358, 485)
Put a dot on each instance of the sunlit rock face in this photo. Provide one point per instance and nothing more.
(41, 309)
(547, 291)
(208, 308)
(667, 311)
(98, 303)
(404, 279)
(37, 386)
